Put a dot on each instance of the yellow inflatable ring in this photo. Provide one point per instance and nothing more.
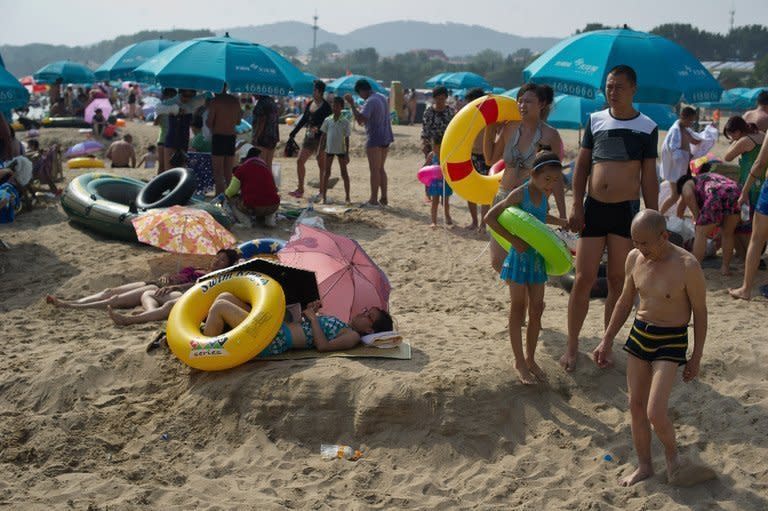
(456, 149)
(85, 163)
(238, 345)
(557, 256)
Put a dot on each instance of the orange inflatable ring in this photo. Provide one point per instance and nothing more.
(456, 149)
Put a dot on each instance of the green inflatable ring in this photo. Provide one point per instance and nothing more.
(531, 230)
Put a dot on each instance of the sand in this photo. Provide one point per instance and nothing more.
(92, 421)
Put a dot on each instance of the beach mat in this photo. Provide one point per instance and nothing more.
(400, 352)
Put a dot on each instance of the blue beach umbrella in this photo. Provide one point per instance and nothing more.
(346, 85)
(436, 80)
(465, 80)
(12, 93)
(732, 100)
(69, 72)
(120, 66)
(666, 72)
(750, 95)
(572, 112)
(568, 112)
(207, 63)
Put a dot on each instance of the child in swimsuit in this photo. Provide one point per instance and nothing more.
(150, 159)
(438, 189)
(524, 269)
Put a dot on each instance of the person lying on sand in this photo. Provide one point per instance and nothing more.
(323, 333)
(155, 298)
(671, 286)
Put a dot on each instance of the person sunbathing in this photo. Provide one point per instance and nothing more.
(155, 298)
(312, 330)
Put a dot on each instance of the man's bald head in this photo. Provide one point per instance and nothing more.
(650, 221)
(649, 233)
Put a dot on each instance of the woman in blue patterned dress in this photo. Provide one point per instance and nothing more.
(523, 269)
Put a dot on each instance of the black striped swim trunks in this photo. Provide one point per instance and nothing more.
(651, 343)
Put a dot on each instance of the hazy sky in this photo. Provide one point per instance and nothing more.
(76, 22)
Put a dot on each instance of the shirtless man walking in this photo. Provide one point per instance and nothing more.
(671, 286)
(224, 115)
(616, 161)
(759, 115)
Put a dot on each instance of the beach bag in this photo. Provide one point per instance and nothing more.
(291, 149)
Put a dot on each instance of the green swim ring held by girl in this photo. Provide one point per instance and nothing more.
(524, 269)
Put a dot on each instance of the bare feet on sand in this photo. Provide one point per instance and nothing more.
(537, 371)
(568, 361)
(685, 473)
(118, 318)
(643, 472)
(740, 293)
(526, 378)
(726, 272)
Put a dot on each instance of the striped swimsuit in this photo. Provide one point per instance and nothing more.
(650, 343)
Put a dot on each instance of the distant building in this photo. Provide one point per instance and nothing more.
(432, 54)
(715, 66)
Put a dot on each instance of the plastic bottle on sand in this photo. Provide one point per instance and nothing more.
(331, 452)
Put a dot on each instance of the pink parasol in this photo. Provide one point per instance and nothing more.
(348, 279)
(103, 103)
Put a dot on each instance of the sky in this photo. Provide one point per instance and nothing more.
(66, 21)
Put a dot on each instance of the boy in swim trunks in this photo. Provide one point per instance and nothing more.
(671, 286)
(616, 161)
(224, 115)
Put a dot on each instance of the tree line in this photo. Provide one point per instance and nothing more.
(25, 60)
(414, 68)
(748, 42)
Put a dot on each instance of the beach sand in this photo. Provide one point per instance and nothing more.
(92, 421)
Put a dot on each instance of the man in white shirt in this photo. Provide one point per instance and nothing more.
(335, 141)
(676, 153)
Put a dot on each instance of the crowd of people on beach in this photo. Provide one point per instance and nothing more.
(615, 166)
